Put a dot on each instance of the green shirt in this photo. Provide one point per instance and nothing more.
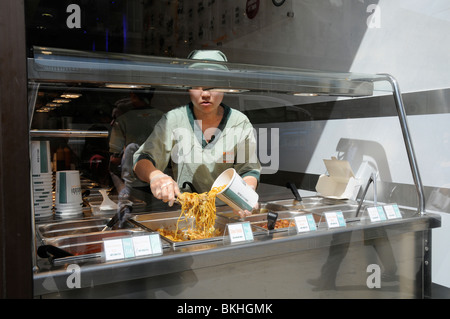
(178, 138)
(133, 127)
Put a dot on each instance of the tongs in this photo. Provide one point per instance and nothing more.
(50, 251)
(271, 220)
(297, 196)
(111, 222)
(124, 207)
(119, 216)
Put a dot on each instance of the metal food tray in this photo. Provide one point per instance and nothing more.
(306, 203)
(259, 220)
(69, 228)
(82, 238)
(150, 223)
(89, 245)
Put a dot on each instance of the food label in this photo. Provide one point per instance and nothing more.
(240, 232)
(131, 247)
(335, 219)
(392, 211)
(305, 223)
(376, 214)
(113, 249)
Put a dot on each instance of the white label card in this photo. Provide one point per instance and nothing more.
(376, 213)
(392, 211)
(130, 247)
(113, 249)
(305, 223)
(240, 232)
(335, 219)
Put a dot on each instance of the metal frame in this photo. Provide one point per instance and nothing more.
(408, 143)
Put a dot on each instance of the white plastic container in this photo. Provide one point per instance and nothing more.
(237, 194)
(340, 183)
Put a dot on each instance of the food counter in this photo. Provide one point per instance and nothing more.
(333, 247)
(322, 263)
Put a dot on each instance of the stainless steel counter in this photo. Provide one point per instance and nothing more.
(364, 259)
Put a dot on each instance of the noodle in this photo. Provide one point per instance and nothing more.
(200, 207)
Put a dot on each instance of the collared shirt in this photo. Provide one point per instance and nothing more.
(133, 127)
(179, 139)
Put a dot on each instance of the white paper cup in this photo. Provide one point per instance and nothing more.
(45, 209)
(68, 189)
(42, 196)
(43, 216)
(43, 201)
(68, 207)
(40, 157)
(42, 192)
(37, 181)
(68, 214)
(43, 176)
(237, 194)
(69, 211)
(42, 183)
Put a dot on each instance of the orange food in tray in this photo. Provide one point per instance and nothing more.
(282, 223)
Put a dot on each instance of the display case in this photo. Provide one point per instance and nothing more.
(72, 97)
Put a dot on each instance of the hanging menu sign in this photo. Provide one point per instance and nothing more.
(131, 247)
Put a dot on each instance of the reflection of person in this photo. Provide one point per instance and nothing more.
(129, 130)
(95, 157)
(200, 140)
(339, 246)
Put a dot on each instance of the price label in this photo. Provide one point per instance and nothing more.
(335, 219)
(304, 223)
(130, 247)
(376, 213)
(142, 246)
(240, 232)
(113, 249)
(392, 211)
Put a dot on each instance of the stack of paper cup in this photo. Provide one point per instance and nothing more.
(68, 201)
(42, 177)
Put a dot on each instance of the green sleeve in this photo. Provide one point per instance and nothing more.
(157, 147)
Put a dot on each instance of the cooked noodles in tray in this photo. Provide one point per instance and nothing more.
(196, 223)
(200, 207)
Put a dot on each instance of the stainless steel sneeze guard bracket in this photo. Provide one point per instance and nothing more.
(408, 143)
